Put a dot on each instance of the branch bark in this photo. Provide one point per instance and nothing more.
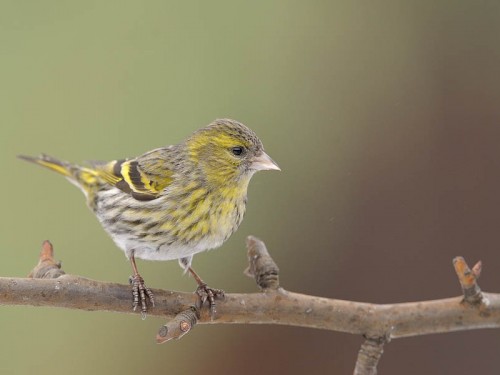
(379, 323)
(270, 307)
(369, 355)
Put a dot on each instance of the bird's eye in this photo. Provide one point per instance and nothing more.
(238, 150)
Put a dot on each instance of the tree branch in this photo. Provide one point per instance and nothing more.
(379, 323)
(369, 355)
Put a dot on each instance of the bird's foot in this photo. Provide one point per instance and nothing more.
(141, 294)
(205, 293)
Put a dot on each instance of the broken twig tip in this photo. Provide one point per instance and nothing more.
(476, 270)
(468, 280)
(47, 252)
(177, 327)
(47, 267)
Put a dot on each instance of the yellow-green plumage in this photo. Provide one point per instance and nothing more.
(176, 201)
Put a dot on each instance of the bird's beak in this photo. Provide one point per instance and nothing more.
(263, 162)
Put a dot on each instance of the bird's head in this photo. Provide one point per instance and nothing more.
(228, 151)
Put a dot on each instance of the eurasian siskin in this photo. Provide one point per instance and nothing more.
(172, 202)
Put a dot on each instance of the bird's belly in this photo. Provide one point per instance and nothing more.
(163, 251)
(171, 233)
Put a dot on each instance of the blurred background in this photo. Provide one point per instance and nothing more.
(384, 117)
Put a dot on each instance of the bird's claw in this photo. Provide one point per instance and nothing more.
(141, 293)
(205, 293)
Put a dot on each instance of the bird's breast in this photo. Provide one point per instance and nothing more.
(176, 225)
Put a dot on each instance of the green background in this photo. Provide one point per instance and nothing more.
(383, 116)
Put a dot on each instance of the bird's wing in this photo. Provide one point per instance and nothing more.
(144, 178)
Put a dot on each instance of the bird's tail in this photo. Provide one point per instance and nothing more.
(84, 178)
(61, 167)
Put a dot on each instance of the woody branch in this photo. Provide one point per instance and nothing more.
(48, 285)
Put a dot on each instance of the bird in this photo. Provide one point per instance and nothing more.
(172, 202)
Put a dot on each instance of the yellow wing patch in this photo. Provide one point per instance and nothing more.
(129, 177)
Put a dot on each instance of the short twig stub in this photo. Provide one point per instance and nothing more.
(177, 327)
(47, 267)
(468, 280)
(261, 266)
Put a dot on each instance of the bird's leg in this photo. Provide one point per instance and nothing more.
(139, 290)
(205, 292)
